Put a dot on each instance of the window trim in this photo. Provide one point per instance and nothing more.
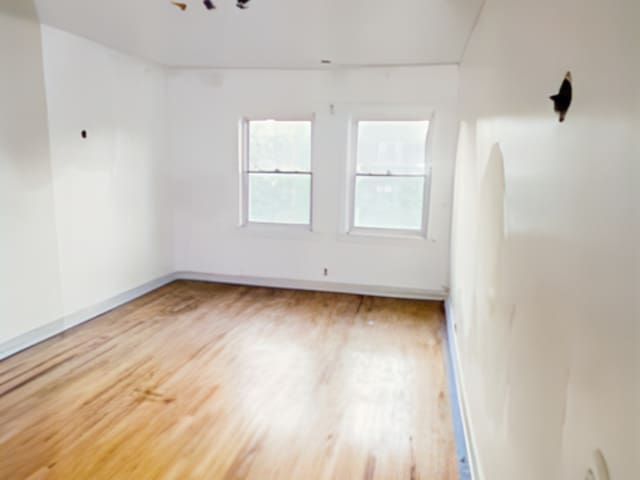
(244, 172)
(389, 116)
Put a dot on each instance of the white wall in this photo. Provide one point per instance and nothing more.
(87, 220)
(545, 239)
(29, 271)
(111, 207)
(205, 107)
(82, 221)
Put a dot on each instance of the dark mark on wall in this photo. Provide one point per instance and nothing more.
(562, 100)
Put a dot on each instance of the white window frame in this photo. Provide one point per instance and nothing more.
(245, 172)
(389, 114)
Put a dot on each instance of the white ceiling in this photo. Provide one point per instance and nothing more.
(273, 33)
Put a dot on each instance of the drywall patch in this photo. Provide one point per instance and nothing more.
(490, 233)
(490, 308)
(599, 469)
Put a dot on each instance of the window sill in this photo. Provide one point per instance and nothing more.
(277, 230)
(381, 236)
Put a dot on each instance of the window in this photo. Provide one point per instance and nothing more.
(390, 175)
(277, 172)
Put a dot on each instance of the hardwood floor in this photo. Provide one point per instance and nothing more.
(206, 381)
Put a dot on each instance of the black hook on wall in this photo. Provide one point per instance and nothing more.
(562, 100)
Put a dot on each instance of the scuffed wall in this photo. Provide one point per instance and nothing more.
(545, 249)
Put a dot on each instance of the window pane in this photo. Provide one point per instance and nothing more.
(276, 145)
(279, 198)
(389, 202)
(392, 147)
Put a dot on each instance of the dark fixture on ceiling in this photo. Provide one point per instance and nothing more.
(209, 5)
(180, 5)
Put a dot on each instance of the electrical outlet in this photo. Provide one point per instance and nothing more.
(326, 272)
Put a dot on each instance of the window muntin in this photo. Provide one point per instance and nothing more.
(390, 175)
(278, 171)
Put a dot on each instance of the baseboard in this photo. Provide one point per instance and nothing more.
(83, 315)
(58, 326)
(468, 447)
(31, 338)
(335, 287)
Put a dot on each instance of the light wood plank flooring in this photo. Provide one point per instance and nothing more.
(206, 381)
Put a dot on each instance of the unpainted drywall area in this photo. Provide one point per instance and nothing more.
(545, 239)
(205, 108)
(29, 271)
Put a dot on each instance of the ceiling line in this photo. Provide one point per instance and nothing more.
(326, 68)
(473, 29)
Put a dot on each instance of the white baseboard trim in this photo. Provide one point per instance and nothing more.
(31, 338)
(318, 286)
(58, 326)
(462, 394)
(93, 311)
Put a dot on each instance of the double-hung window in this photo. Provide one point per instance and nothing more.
(390, 175)
(277, 174)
